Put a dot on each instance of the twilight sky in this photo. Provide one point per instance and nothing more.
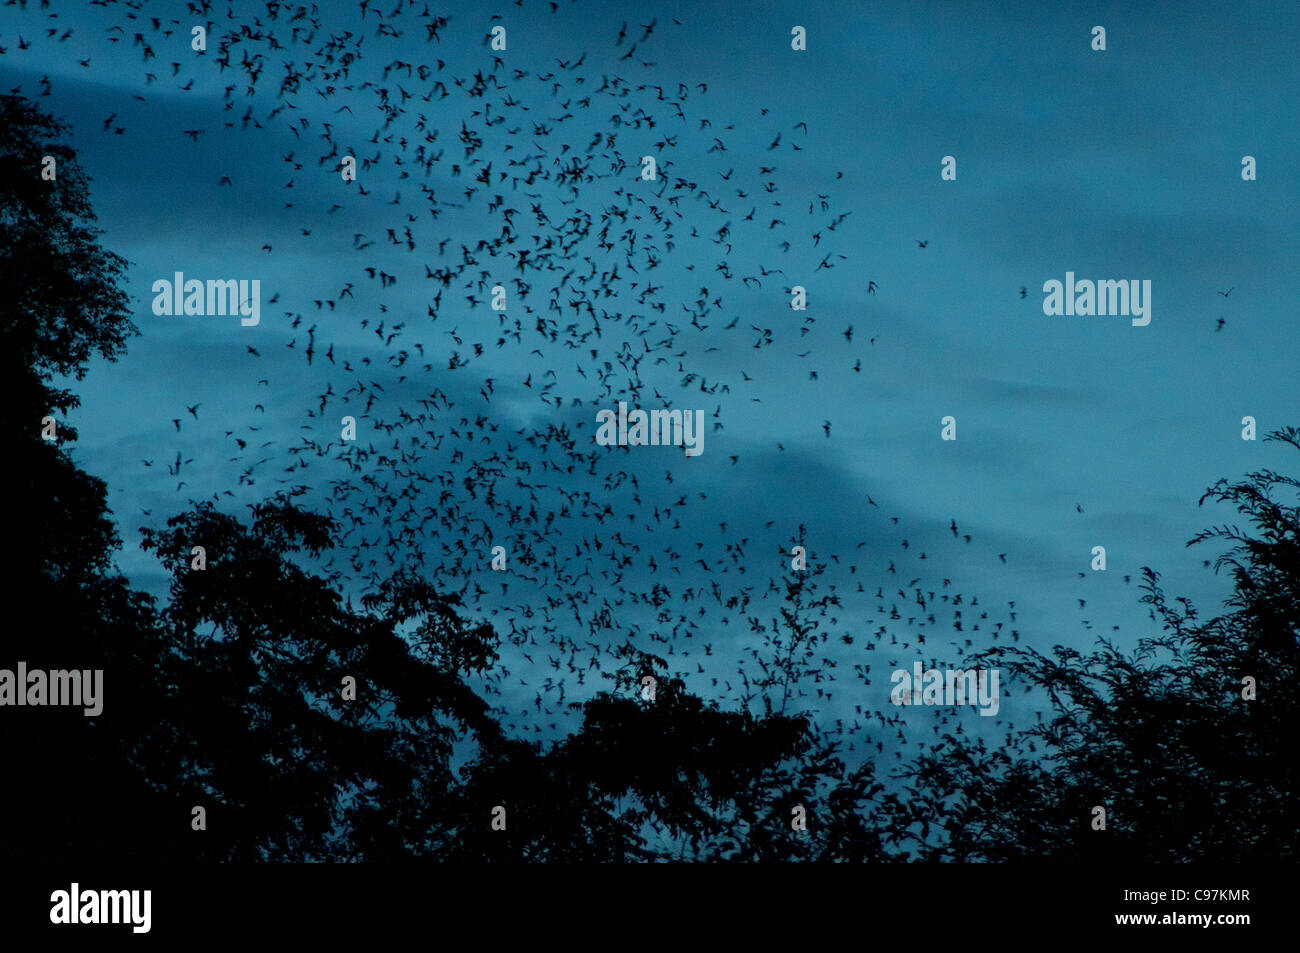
(1117, 164)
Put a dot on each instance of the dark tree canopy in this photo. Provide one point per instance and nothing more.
(1161, 737)
(78, 795)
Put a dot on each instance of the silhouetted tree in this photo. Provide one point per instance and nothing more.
(290, 770)
(291, 762)
(1163, 738)
(71, 789)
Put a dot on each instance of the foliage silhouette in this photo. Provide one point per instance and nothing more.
(1162, 737)
(72, 790)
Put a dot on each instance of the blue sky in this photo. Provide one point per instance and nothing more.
(1116, 164)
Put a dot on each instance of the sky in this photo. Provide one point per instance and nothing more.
(1072, 431)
